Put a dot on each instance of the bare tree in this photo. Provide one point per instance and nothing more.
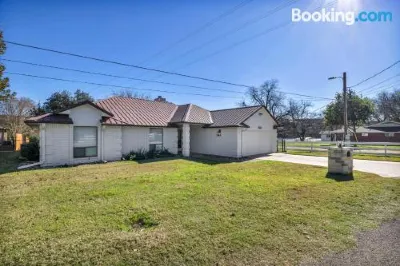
(130, 94)
(16, 110)
(387, 106)
(300, 117)
(269, 96)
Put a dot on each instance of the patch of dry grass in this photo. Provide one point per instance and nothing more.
(260, 212)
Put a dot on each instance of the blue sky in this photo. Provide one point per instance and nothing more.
(301, 55)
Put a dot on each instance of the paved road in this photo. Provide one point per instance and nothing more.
(374, 247)
(382, 168)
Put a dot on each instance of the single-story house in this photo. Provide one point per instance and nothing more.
(388, 131)
(110, 128)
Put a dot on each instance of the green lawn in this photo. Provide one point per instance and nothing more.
(181, 212)
(391, 158)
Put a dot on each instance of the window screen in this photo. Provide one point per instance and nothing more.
(85, 142)
(156, 139)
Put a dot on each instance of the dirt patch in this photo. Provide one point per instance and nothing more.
(142, 220)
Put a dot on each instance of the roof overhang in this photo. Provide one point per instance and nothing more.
(105, 113)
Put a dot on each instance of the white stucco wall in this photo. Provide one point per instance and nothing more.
(135, 138)
(56, 140)
(112, 143)
(256, 142)
(170, 139)
(85, 115)
(264, 120)
(206, 141)
(261, 136)
(55, 144)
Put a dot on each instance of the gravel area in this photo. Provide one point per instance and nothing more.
(376, 247)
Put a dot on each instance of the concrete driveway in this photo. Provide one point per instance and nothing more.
(382, 168)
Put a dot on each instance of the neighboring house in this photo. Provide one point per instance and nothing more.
(388, 131)
(110, 128)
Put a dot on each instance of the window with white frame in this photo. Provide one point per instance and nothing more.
(389, 134)
(85, 142)
(364, 134)
(156, 139)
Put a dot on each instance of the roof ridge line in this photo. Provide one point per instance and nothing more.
(187, 111)
(147, 100)
(173, 113)
(236, 108)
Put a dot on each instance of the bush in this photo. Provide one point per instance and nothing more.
(135, 155)
(7, 143)
(142, 154)
(31, 150)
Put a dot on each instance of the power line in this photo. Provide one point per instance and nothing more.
(125, 64)
(373, 76)
(153, 81)
(387, 87)
(116, 86)
(373, 89)
(195, 32)
(322, 107)
(236, 29)
(240, 27)
(200, 29)
(379, 83)
(236, 44)
(244, 41)
(116, 76)
(303, 95)
(367, 92)
(255, 36)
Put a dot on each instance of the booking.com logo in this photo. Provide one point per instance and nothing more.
(349, 17)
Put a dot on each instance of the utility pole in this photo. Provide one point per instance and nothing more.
(344, 78)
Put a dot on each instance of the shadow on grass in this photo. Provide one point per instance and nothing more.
(198, 159)
(9, 161)
(340, 177)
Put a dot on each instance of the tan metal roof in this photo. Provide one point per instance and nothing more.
(137, 112)
(50, 119)
(140, 112)
(232, 117)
